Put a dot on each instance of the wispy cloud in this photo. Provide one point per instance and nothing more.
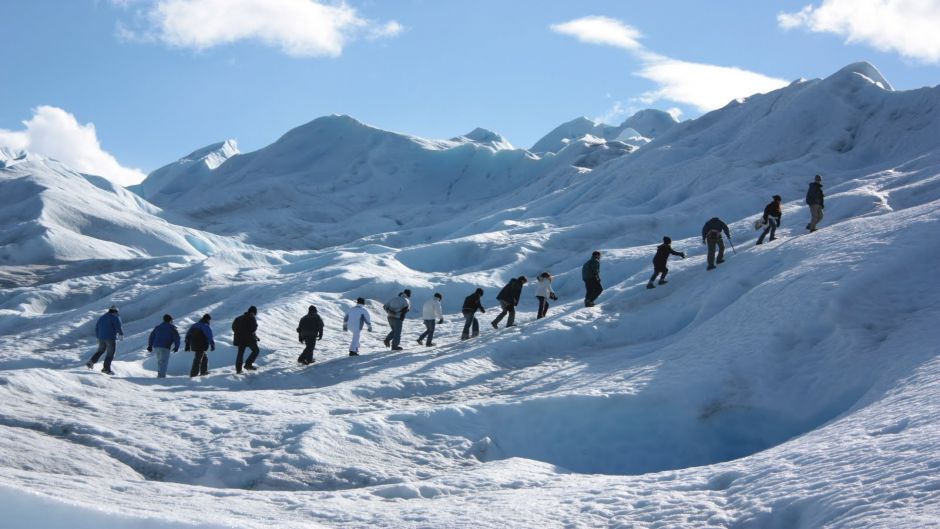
(55, 133)
(300, 28)
(704, 86)
(907, 27)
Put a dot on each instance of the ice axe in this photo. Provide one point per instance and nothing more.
(732, 246)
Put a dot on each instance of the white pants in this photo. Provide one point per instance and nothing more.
(354, 346)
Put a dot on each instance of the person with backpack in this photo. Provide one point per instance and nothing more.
(772, 215)
(432, 313)
(591, 274)
(162, 338)
(107, 330)
(815, 199)
(395, 310)
(309, 330)
(199, 340)
(357, 318)
(663, 251)
(544, 292)
(711, 233)
(472, 304)
(244, 328)
(508, 298)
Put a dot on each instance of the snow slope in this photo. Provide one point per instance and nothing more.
(794, 387)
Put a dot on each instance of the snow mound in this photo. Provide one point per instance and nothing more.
(649, 123)
(189, 171)
(485, 137)
(861, 70)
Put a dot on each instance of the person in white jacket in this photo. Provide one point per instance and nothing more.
(544, 292)
(431, 312)
(357, 318)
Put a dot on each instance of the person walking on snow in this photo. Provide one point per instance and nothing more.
(508, 298)
(395, 310)
(663, 251)
(199, 340)
(244, 328)
(357, 318)
(772, 215)
(107, 330)
(162, 338)
(711, 232)
(815, 199)
(591, 274)
(432, 313)
(472, 304)
(544, 292)
(309, 330)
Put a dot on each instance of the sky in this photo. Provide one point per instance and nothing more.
(121, 87)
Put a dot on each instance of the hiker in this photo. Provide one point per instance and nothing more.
(107, 330)
(711, 232)
(544, 292)
(354, 321)
(395, 311)
(309, 330)
(199, 340)
(472, 304)
(663, 251)
(162, 337)
(772, 216)
(508, 298)
(244, 328)
(591, 274)
(431, 312)
(815, 200)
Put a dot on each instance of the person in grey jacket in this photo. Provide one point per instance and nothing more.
(107, 330)
(815, 199)
(591, 274)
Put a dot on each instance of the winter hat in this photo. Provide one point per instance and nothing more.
(438, 295)
(360, 301)
(667, 240)
(206, 317)
(818, 178)
(167, 318)
(252, 309)
(312, 309)
(523, 279)
(777, 198)
(595, 253)
(407, 293)
(113, 308)
(479, 291)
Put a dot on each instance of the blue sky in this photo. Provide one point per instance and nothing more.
(160, 78)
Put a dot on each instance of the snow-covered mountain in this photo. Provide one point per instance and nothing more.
(648, 123)
(192, 170)
(794, 386)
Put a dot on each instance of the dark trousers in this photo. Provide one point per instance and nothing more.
(508, 308)
(771, 228)
(543, 307)
(712, 243)
(429, 333)
(241, 354)
(306, 356)
(200, 364)
(593, 289)
(470, 320)
(394, 336)
(657, 270)
(104, 346)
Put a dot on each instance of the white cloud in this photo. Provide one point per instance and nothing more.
(300, 28)
(675, 112)
(54, 133)
(908, 27)
(704, 86)
(614, 113)
(601, 30)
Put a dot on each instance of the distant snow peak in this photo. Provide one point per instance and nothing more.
(861, 70)
(648, 124)
(485, 137)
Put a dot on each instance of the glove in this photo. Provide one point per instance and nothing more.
(370, 329)
(320, 337)
(149, 349)
(682, 255)
(345, 328)
(212, 348)
(176, 349)
(440, 320)
(553, 297)
(257, 339)
(301, 338)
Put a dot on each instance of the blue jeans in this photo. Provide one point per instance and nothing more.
(163, 360)
(104, 346)
(429, 324)
(395, 335)
(470, 320)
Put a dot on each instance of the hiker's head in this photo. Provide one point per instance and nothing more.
(595, 254)
(818, 179)
(167, 318)
(438, 296)
(206, 318)
(667, 240)
(113, 309)
(311, 309)
(777, 198)
(523, 279)
(360, 301)
(253, 310)
(407, 293)
(479, 292)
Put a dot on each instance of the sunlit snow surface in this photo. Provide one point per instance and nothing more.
(794, 387)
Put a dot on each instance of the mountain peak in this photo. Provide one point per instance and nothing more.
(485, 137)
(861, 70)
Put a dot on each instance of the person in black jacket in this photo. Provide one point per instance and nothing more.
(309, 330)
(591, 274)
(244, 328)
(815, 199)
(711, 232)
(472, 304)
(772, 215)
(663, 251)
(508, 299)
(199, 340)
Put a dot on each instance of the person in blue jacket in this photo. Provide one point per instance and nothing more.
(107, 331)
(199, 340)
(162, 338)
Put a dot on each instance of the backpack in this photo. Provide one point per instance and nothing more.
(198, 340)
(713, 235)
(759, 223)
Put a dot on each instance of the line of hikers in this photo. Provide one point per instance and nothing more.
(199, 338)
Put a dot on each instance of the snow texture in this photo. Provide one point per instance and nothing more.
(796, 386)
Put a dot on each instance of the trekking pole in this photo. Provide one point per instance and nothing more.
(733, 251)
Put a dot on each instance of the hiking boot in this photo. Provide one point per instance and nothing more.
(772, 239)
(719, 261)
(663, 281)
(650, 285)
(387, 342)
(250, 367)
(759, 243)
(430, 344)
(353, 353)
(464, 337)
(807, 227)
(398, 348)
(238, 371)
(494, 324)
(90, 365)
(107, 371)
(420, 342)
(711, 267)
(588, 303)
